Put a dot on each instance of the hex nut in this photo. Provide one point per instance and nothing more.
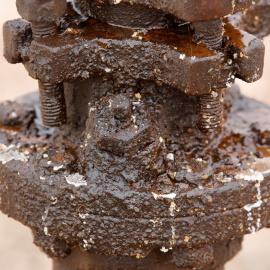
(41, 11)
(17, 38)
(247, 53)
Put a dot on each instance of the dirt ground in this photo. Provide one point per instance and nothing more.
(16, 249)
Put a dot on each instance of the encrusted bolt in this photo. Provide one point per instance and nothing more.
(210, 106)
(52, 104)
(44, 16)
(210, 111)
(209, 32)
(40, 30)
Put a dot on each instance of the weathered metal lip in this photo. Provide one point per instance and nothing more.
(169, 232)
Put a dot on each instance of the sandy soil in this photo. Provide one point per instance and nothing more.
(16, 249)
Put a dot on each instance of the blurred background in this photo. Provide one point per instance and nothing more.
(16, 249)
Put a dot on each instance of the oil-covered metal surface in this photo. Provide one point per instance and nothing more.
(179, 197)
(151, 160)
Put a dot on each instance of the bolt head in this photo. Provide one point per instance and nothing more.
(111, 127)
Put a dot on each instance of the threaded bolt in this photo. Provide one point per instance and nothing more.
(52, 104)
(44, 15)
(209, 32)
(43, 29)
(210, 106)
(210, 111)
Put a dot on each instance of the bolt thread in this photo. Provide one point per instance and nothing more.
(209, 32)
(52, 104)
(212, 41)
(44, 29)
(210, 111)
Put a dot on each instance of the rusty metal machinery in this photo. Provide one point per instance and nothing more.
(143, 155)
